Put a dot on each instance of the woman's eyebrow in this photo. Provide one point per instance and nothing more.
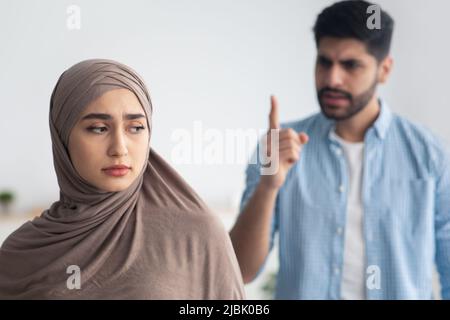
(105, 116)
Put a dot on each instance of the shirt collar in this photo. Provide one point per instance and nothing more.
(384, 119)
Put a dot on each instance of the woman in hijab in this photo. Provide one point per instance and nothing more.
(126, 226)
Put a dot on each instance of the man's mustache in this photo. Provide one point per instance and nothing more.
(333, 90)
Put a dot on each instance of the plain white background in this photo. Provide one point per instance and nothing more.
(212, 61)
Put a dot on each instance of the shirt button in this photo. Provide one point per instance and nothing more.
(337, 270)
(341, 188)
(339, 230)
(338, 152)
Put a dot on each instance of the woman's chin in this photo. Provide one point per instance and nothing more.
(114, 187)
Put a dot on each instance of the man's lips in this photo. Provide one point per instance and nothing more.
(334, 94)
(335, 99)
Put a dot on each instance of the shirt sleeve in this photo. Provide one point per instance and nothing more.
(442, 226)
(252, 174)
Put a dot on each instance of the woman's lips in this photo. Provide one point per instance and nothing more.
(116, 172)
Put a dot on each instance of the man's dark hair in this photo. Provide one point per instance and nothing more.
(348, 19)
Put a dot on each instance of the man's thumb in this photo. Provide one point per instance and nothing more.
(304, 138)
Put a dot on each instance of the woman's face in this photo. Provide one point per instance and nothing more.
(112, 130)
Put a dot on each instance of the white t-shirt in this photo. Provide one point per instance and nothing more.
(353, 273)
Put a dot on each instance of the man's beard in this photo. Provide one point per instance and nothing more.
(356, 104)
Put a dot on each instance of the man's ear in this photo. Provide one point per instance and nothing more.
(385, 69)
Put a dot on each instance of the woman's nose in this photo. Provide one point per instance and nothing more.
(118, 145)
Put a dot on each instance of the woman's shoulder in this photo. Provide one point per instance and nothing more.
(18, 235)
(203, 223)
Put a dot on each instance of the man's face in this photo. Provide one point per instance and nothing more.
(114, 132)
(346, 77)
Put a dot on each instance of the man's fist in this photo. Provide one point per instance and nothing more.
(289, 147)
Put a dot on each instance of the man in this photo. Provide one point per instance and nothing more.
(361, 198)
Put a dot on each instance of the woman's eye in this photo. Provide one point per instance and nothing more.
(97, 130)
(100, 130)
(138, 128)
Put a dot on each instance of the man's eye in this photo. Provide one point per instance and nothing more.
(351, 65)
(324, 63)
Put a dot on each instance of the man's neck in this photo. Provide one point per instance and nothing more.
(354, 128)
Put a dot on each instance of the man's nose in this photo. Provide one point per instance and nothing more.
(335, 77)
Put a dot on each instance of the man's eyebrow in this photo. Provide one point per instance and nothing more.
(324, 58)
(105, 116)
(351, 60)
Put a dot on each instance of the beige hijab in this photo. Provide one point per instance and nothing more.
(154, 240)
